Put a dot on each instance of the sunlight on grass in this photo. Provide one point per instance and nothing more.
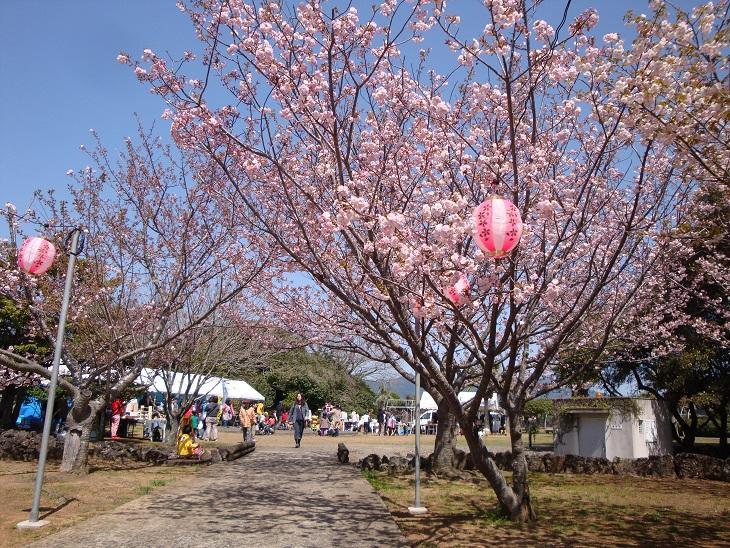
(144, 489)
(572, 509)
(380, 482)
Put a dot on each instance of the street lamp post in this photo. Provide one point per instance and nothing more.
(33, 520)
(417, 509)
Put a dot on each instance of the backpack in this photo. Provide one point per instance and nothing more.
(156, 434)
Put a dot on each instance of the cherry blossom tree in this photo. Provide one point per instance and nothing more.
(362, 163)
(161, 258)
(674, 81)
(228, 344)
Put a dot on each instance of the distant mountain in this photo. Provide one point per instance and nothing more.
(399, 385)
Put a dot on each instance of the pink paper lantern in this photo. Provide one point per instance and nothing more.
(36, 256)
(497, 226)
(458, 292)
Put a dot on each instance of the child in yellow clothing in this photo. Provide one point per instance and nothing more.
(186, 446)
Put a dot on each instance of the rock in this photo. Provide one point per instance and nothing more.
(234, 452)
(574, 464)
(206, 457)
(690, 465)
(663, 466)
(535, 463)
(371, 462)
(398, 466)
(604, 466)
(182, 461)
(642, 467)
(624, 467)
(459, 459)
(455, 475)
(25, 445)
(215, 455)
(425, 463)
(503, 460)
(343, 454)
(554, 464)
(156, 455)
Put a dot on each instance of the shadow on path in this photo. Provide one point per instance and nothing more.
(284, 497)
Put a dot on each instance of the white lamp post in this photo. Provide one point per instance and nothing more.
(33, 521)
(417, 509)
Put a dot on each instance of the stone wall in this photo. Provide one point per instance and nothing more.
(24, 445)
(681, 465)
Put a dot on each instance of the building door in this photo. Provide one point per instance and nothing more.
(592, 436)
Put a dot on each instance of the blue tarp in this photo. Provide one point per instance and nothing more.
(31, 413)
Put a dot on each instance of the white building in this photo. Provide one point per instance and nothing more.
(613, 427)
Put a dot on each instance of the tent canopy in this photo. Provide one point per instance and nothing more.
(427, 401)
(210, 386)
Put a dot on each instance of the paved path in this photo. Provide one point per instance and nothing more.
(280, 497)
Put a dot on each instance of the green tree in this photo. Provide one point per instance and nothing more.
(318, 376)
(15, 333)
(698, 377)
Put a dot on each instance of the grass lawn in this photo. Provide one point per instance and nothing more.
(68, 499)
(572, 509)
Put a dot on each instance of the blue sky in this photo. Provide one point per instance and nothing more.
(59, 78)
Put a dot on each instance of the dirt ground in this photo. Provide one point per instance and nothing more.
(67, 499)
(361, 445)
(572, 510)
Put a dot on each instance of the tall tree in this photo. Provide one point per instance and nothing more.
(156, 244)
(363, 167)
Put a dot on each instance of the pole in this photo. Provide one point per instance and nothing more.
(417, 508)
(35, 510)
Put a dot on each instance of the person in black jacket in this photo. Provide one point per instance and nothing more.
(211, 419)
(381, 422)
(297, 415)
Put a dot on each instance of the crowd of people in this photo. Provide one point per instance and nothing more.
(202, 419)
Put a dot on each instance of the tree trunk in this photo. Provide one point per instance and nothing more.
(512, 505)
(174, 417)
(7, 405)
(80, 421)
(522, 511)
(683, 432)
(723, 424)
(19, 399)
(689, 431)
(172, 426)
(446, 430)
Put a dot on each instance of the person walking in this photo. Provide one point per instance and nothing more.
(381, 422)
(297, 416)
(247, 416)
(117, 410)
(211, 419)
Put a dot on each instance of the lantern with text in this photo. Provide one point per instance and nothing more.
(457, 293)
(36, 256)
(497, 226)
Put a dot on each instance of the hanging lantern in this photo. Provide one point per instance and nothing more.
(457, 293)
(36, 256)
(497, 226)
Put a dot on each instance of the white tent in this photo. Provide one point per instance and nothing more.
(212, 386)
(427, 401)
